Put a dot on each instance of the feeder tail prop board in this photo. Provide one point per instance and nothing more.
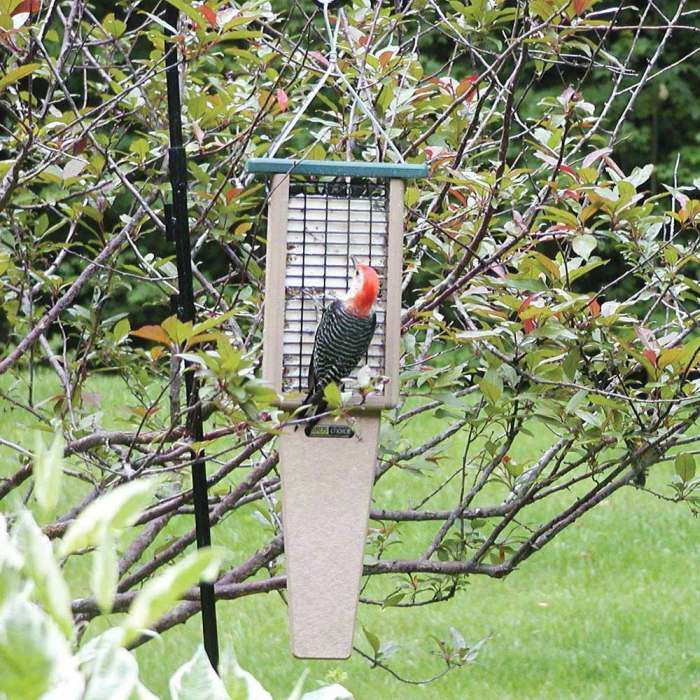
(326, 491)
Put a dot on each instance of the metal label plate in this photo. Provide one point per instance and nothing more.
(332, 431)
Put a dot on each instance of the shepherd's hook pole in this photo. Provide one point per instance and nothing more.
(178, 226)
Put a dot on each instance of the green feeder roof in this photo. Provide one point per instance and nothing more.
(337, 168)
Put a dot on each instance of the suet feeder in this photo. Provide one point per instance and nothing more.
(321, 215)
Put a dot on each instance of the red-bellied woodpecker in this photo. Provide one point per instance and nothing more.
(343, 336)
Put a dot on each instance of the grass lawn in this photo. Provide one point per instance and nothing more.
(608, 610)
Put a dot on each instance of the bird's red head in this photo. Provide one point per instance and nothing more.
(363, 291)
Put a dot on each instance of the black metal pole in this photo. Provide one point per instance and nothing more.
(177, 223)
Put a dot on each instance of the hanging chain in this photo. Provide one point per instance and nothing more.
(331, 70)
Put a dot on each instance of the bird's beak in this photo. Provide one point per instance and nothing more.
(355, 261)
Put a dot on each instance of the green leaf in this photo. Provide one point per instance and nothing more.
(685, 466)
(386, 95)
(690, 355)
(332, 395)
(329, 692)
(393, 599)
(34, 655)
(197, 680)
(571, 363)
(298, 686)
(262, 394)
(105, 573)
(50, 588)
(42, 223)
(73, 168)
(113, 671)
(159, 594)
(412, 196)
(121, 330)
(670, 356)
(213, 322)
(115, 510)
(178, 331)
(372, 639)
(190, 11)
(640, 175)
(242, 684)
(491, 386)
(17, 74)
(48, 471)
(548, 266)
(113, 26)
(141, 692)
(584, 245)
(140, 147)
(561, 216)
(11, 561)
(575, 401)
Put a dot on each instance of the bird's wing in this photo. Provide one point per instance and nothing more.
(311, 381)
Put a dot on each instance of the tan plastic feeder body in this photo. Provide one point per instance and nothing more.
(320, 215)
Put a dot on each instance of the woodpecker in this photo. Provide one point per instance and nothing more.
(343, 336)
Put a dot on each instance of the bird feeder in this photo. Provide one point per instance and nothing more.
(321, 215)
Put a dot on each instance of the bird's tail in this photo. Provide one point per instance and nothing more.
(313, 402)
(321, 407)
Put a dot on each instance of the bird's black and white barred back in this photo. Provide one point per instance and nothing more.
(340, 345)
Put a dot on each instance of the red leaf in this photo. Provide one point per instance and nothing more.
(467, 85)
(528, 300)
(651, 356)
(551, 160)
(438, 153)
(155, 333)
(30, 6)
(594, 156)
(529, 325)
(594, 307)
(231, 193)
(320, 58)
(208, 15)
(282, 99)
(384, 58)
(79, 146)
(458, 195)
(580, 6)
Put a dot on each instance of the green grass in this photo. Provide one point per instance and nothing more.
(608, 610)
